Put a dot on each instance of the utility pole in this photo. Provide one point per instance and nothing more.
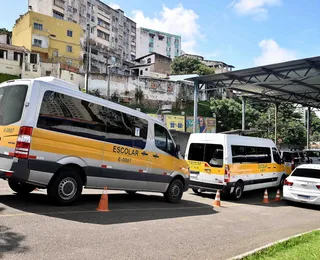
(88, 61)
(108, 88)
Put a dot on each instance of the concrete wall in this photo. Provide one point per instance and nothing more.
(154, 90)
(52, 68)
(73, 78)
(11, 67)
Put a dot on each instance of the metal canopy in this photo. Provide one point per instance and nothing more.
(296, 81)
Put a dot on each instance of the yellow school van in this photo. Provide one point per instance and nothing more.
(233, 164)
(53, 136)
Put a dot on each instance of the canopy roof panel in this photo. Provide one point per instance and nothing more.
(296, 81)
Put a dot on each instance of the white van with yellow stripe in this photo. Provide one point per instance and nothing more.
(56, 137)
(233, 164)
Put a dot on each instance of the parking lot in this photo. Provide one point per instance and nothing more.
(144, 226)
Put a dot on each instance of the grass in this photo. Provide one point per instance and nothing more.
(303, 247)
(5, 77)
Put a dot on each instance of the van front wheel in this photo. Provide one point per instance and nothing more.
(65, 188)
(21, 188)
(174, 192)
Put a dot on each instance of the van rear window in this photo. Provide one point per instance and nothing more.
(308, 173)
(12, 100)
(210, 153)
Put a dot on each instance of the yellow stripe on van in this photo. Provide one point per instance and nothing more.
(235, 169)
(58, 143)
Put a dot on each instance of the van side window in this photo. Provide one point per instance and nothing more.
(70, 115)
(125, 129)
(210, 153)
(276, 156)
(250, 154)
(163, 140)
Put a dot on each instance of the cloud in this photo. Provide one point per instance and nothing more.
(273, 53)
(114, 6)
(255, 8)
(177, 20)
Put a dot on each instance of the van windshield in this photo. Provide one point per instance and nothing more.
(11, 103)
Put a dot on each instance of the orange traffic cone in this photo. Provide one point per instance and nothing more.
(216, 202)
(265, 197)
(103, 204)
(278, 197)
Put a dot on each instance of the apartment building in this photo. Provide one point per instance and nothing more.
(166, 44)
(218, 66)
(112, 34)
(53, 39)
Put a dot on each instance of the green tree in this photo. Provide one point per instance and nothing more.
(229, 114)
(189, 65)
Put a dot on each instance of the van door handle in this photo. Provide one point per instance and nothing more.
(144, 153)
(156, 156)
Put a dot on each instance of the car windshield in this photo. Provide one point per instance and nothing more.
(308, 173)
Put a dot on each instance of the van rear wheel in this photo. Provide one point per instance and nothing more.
(66, 187)
(21, 188)
(238, 191)
(174, 192)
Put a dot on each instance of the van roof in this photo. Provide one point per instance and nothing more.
(231, 138)
(75, 92)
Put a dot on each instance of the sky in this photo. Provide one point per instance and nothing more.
(243, 33)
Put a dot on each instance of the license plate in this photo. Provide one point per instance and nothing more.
(303, 197)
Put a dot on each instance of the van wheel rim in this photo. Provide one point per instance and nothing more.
(67, 188)
(238, 192)
(175, 191)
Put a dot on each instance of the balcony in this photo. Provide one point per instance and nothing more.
(59, 3)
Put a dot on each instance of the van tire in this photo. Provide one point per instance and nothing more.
(282, 181)
(21, 188)
(58, 191)
(237, 191)
(174, 192)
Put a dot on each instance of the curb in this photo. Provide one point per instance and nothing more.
(269, 245)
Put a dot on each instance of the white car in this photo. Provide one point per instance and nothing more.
(303, 184)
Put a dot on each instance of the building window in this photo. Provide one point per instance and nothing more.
(38, 26)
(2, 52)
(75, 10)
(58, 15)
(48, 73)
(33, 58)
(149, 60)
(103, 35)
(103, 24)
(69, 62)
(16, 56)
(69, 33)
(69, 48)
(37, 43)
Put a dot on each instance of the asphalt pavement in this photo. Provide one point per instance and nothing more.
(143, 226)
